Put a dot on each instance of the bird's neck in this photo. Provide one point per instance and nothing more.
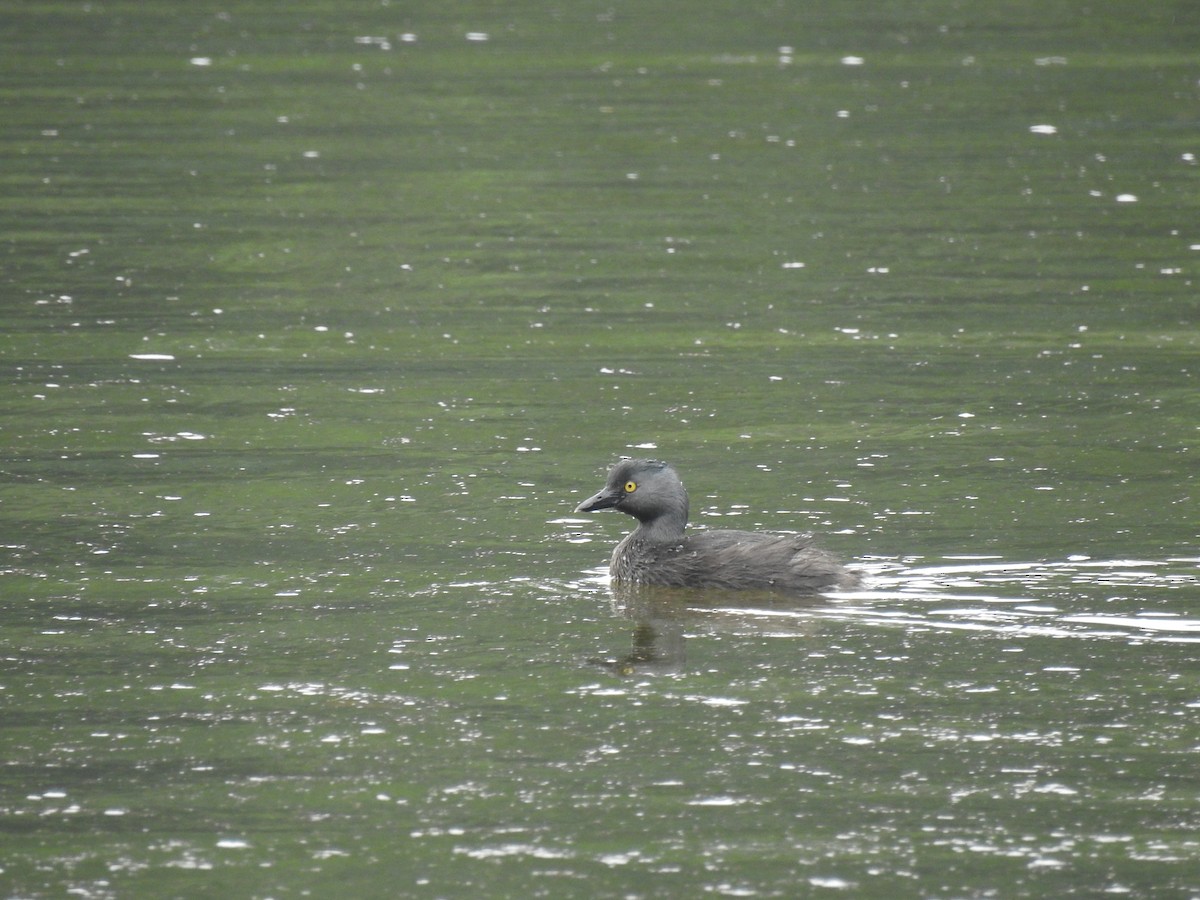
(662, 529)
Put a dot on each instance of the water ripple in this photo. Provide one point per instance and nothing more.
(1051, 599)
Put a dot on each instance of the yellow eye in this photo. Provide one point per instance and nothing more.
(630, 487)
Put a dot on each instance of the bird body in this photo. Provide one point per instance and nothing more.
(660, 551)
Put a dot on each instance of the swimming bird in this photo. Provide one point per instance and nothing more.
(660, 551)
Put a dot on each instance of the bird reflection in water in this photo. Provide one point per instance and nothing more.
(663, 615)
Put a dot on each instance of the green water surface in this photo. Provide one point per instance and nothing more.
(317, 320)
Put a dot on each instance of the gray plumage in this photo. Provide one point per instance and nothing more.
(659, 551)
